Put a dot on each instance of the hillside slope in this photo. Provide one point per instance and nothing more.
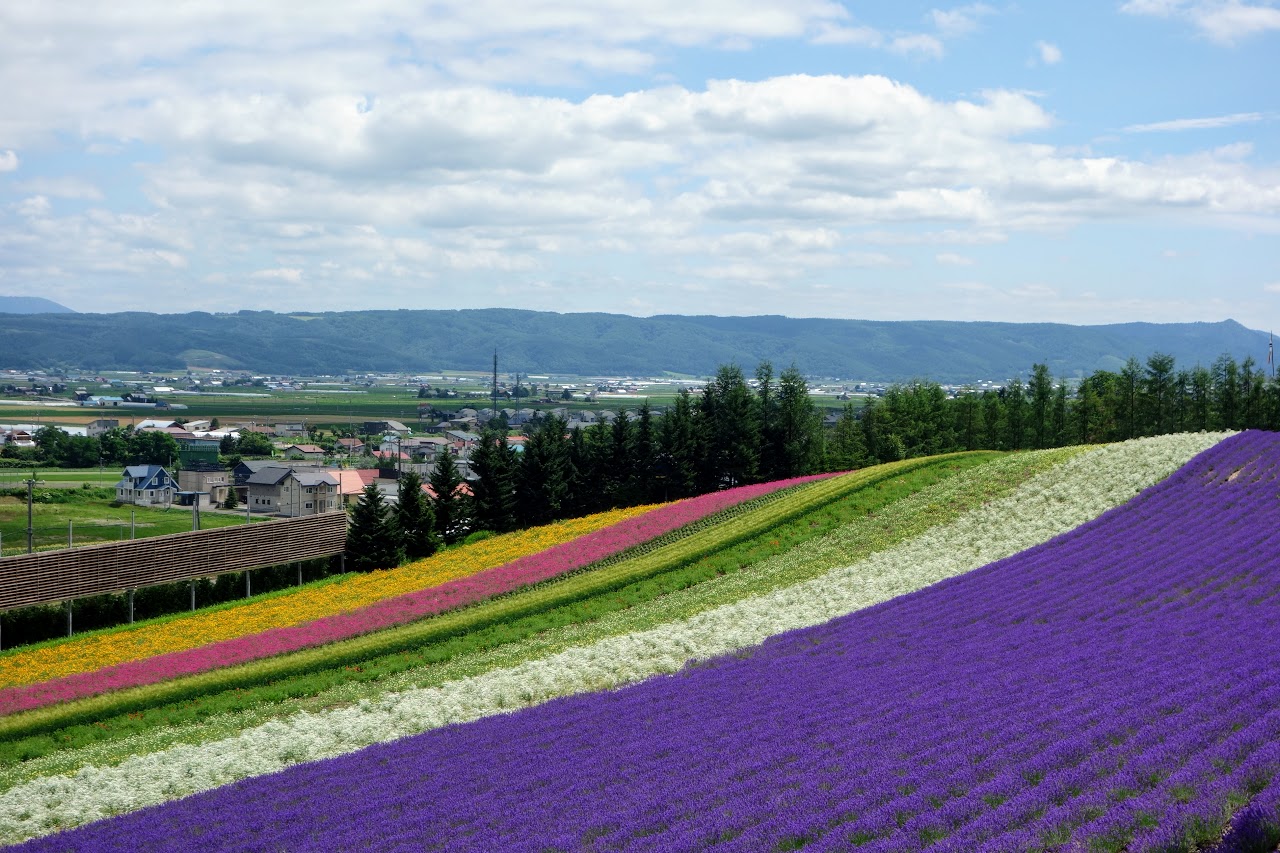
(660, 637)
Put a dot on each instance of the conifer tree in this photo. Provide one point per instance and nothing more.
(494, 489)
(543, 480)
(373, 542)
(415, 518)
(449, 506)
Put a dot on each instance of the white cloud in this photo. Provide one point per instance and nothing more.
(1207, 123)
(289, 274)
(841, 34)
(1050, 54)
(1223, 21)
(8, 161)
(953, 259)
(961, 20)
(1273, 287)
(34, 207)
(917, 44)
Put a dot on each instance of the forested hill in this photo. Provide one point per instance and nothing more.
(587, 344)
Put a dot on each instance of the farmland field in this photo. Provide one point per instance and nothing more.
(1061, 650)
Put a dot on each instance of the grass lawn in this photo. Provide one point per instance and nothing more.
(93, 519)
(16, 477)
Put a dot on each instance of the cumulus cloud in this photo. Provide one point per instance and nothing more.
(1223, 21)
(418, 151)
(1050, 54)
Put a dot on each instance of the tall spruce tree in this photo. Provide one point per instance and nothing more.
(494, 489)
(373, 542)
(676, 465)
(449, 505)
(543, 480)
(798, 433)
(415, 519)
(729, 423)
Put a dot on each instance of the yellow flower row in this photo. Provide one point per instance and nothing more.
(94, 651)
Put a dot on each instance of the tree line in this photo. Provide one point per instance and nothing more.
(738, 432)
(118, 446)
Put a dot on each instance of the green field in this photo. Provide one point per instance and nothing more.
(14, 478)
(90, 518)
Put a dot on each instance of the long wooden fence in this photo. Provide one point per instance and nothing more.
(51, 576)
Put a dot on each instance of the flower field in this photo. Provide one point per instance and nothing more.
(1055, 666)
(629, 533)
(172, 649)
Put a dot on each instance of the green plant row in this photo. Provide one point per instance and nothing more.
(110, 739)
(533, 600)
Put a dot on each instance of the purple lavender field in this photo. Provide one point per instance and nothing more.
(1115, 689)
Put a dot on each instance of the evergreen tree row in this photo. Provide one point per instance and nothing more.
(734, 434)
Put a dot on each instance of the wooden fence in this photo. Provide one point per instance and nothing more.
(51, 576)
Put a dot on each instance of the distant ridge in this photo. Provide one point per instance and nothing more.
(600, 344)
(31, 305)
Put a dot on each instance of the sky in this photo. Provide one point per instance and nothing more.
(1087, 162)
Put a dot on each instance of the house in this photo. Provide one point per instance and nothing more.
(146, 485)
(380, 427)
(101, 402)
(303, 451)
(461, 441)
(292, 493)
(211, 479)
(352, 481)
(152, 423)
(248, 467)
(292, 429)
(195, 448)
(350, 446)
(97, 428)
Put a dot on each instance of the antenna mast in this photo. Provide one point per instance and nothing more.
(495, 382)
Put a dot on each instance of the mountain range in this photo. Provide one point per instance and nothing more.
(425, 341)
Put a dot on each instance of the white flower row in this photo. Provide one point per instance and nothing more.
(1052, 503)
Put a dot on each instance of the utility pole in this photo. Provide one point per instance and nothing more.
(31, 531)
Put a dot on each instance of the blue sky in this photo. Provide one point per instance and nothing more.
(1092, 162)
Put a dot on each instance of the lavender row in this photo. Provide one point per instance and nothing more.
(1116, 686)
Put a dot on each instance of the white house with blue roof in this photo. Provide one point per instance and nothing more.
(146, 485)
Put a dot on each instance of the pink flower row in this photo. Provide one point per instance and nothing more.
(531, 569)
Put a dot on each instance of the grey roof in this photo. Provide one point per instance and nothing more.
(270, 476)
(315, 478)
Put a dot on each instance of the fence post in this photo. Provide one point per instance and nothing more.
(247, 591)
(130, 607)
(70, 537)
(133, 523)
(68, 617)
(299, 573)
(193, 595)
